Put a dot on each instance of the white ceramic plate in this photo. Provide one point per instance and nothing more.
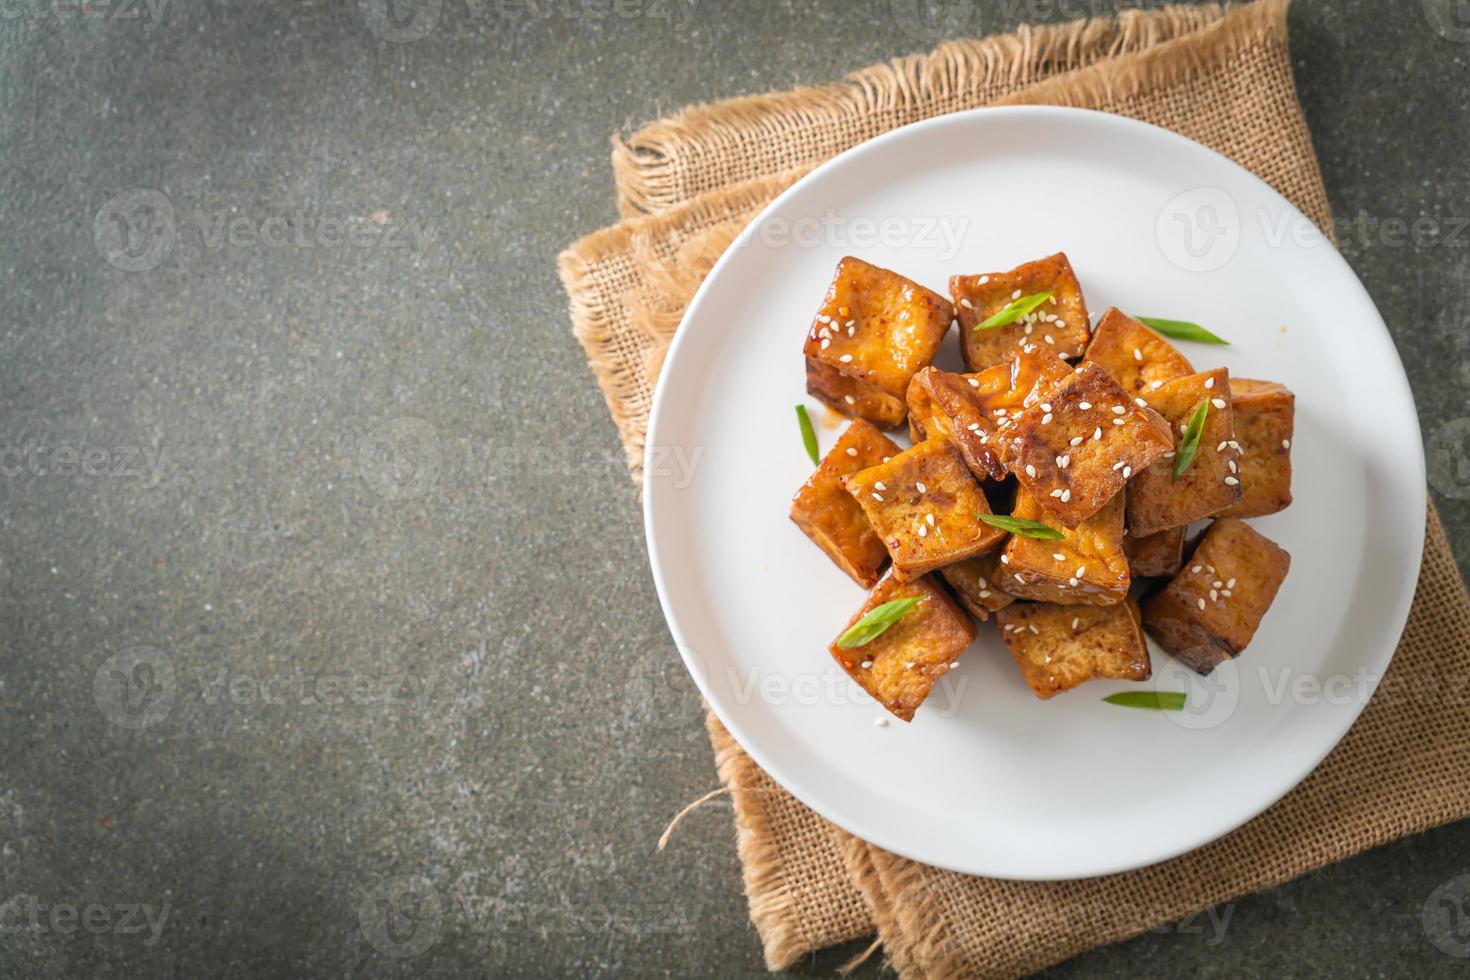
(987, 779)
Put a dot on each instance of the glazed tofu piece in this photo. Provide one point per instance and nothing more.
(1059, 647)
(1264, 413)
(923, 503)
(1060, 324)
(1088, 567)
(1156, 555)
(828, 515)
(874, 332)
(1157, 501)
(1075, 450)
(1004, 389)
(1208, 613)
(976, 582)
(1137, 358)
(946, 406)
(900, 666)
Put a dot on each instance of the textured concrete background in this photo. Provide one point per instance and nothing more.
(322, 584)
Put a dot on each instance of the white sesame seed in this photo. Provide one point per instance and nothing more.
(1072, 582)
(1234, 445)
(1231, 481)
(974, 382)
(1218, 402)
(1156, 385)
(1066, 496)
(1075, 621)
(1059, 556)
(953, 665)
(1052, 300)
(853, 323)
(1056, 493)
(1196, 569)
(1060, 323)
(1029, 328)
(1046, 406)
(1225, 593)
(1075, 441)
(826, 343)
(1119, 421)
(1285, 443)
(1201, 602)
(1214, 596)
(878, 497)
(1030, 470)
(1080, 570)
(846, 358)
(1084, 405)
(1137, 354)
(851, 451)
(1209, 382)
(1097, 433)
(1019, 578)
(921, 488)
(923, 531)
(1169, 454)
(1000, 413)
(929, 519)
(1140, 403)
(852, 331)
(849, 399)
(983, 280)
(965, 302)
(1048, 339)
(1046, 419)
(1033, 629)
(1221, 448)
(1119, 465)
(1217, 584)
(1233, 467)
(1230, 584)
(880, 485)
(1005, 559)
(985, 593)
(881, 722)
(909, 665)
(1127, 472)
(1063, 462)
(1016, 294)
(824, 318)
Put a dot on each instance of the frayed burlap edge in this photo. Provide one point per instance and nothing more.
(651, 168)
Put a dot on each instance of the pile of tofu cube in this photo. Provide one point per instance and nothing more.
(1054, 421)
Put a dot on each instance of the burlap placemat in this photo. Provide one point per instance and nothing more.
(1222, 77)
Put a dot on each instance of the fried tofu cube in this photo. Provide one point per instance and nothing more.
(1133, 354)
(1264, 415)
(1059, 647)
(1157, 501)
(923, 503)
(874, 332)
(1088, 567)
(1075, 450)
(1156, 555)
(946, 406)
(977, 584)
(1209, 612)
(1061, 323)
(828, 514)
(900, 666)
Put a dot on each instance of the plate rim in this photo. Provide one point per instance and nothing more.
(1397, 616)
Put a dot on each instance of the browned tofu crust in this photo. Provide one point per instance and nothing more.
(828, 514)
(874, 332)
(1265, 414)
(947, 406)
(977, 584)
(1060, 324)
(900, 666)
(1074, 449)
(1133, 354)
(1088, 567)
(1058, 647)
(1209, 612)
(923, 503)
(1156, 555)
(1157, 501)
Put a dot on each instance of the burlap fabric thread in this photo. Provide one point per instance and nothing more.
(689, 183)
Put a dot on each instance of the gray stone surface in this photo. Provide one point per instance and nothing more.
(322, 586)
